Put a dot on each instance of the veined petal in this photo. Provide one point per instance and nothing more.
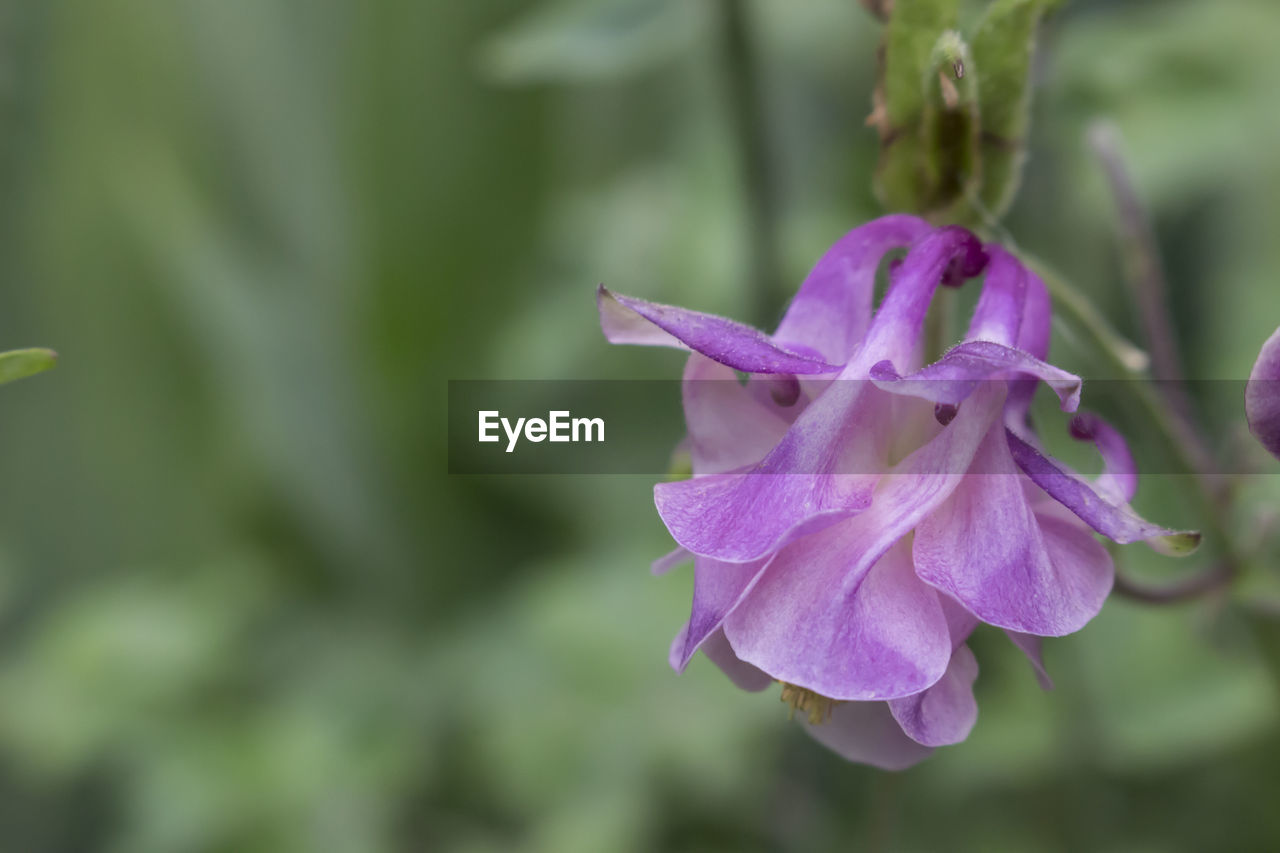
(744, 516)
(1011, 568)
(832, 309)
(841, 612)
(799, 488)
(717, 588)
(744, 675)
(728, 427)
(945, 713)
(887, 638)
(1116, 521)
(953, 377)
(1262, 396)
(634, 321)
(867, 733)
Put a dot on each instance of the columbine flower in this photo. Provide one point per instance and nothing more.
(1261, 400)
(853, 515)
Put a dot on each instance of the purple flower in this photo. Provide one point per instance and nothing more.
(1261, 400)
(854, 514)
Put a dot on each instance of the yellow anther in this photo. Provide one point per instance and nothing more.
(817, 706)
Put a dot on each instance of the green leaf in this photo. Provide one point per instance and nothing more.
(913, 32)
(21, 363)
(953, 117)
(1003, 47)
(951, 130)
(914, 29)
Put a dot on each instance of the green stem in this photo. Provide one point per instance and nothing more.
(1145, 277)
(1128, 358)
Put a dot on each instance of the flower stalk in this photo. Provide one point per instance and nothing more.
(1144, 274)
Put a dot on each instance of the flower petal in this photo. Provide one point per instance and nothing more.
(1119, 479)
(887, 638)
(744, 675)
(669, 561)
(946, 712)
(1032, 647)
(832, 309)
(1033, 339)
(717, 589)
(867, 733)
(1116, 521)
(794, 490)
(960, 622)
(1011, 568)
(728, 428)
(831, 458)
(1037, 318)
(998, 315)
(841, 612)
(949, 254)
(953, 377)
(634, 321)
(1262, 396)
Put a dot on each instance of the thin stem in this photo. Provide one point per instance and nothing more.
(753, 151)
(1193, 586)
(1143, 271)
(1128, 358)
(1144, 274)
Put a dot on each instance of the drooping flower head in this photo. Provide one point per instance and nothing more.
(854, 514)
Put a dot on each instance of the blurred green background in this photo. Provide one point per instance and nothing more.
(244, 607)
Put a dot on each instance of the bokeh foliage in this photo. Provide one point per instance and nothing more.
(244, 607)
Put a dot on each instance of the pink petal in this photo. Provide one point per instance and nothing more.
(626, 320)
(867, 733)
(794, 490)
(717, 589)
(669, 561)
(799, 487)
(1110, 518)
(946, 712)
(953, 377)
(832, 309)
(744, 675)
(841, 612)
(950, 253)
(1262, 395)
(1119, 480)
(998, 315)
(728, 428)
(1009, 567)
(1032, 647)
